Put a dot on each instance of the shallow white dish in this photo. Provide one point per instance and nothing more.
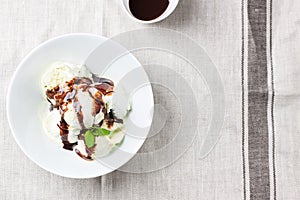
(24, 100)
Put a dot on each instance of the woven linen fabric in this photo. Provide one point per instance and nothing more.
(254, 45)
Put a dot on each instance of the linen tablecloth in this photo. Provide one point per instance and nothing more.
(254, 45)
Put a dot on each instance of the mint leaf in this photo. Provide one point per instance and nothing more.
(97, 131)
(101, 132)
(104, 131)
(93, 130)
(89, 139)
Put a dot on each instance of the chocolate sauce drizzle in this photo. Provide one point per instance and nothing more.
(62, 95)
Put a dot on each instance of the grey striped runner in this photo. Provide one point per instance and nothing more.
(258, 142)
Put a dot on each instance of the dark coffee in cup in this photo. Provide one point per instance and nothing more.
(147, 10)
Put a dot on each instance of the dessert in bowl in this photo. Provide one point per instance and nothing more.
(51, 80)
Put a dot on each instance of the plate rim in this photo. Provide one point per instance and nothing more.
(9, 92)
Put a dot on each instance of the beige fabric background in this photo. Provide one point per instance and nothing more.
(214, 24)
(287, 102)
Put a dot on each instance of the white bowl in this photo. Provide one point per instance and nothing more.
(171, 7)
(25, 98)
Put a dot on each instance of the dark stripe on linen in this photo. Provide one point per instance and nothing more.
(258, 148)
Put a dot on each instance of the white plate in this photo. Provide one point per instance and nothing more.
(25, 98)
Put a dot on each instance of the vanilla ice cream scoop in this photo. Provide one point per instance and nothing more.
(80, 115)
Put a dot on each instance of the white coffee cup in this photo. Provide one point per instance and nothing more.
(171, 7)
